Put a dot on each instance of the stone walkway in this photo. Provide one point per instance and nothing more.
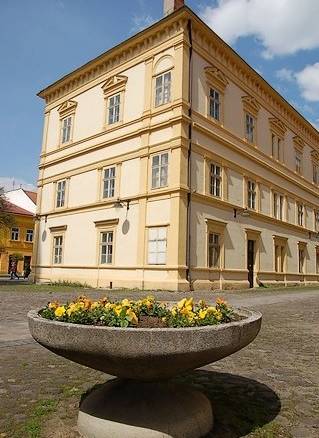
(268, 390)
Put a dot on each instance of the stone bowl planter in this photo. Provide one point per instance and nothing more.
(142, 403)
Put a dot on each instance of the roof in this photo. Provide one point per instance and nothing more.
(32, 195)
(14, 209)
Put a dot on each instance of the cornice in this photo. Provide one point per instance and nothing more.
(298, 142)
(216, 77)
(277, 126)
(250, 105)
(315, 156)
(142, 42)
(114, 84)
(66, 108)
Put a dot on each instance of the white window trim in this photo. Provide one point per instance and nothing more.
(101, 244)
(26, 235)
(159, 227)
(54, 237)
(17, 232)
(115, 182)
(155, 77)
(160, 154)
(216, 177)
(56, 207)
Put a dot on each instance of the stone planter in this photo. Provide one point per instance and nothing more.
(142, 403)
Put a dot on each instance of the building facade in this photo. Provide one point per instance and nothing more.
(169, 163)
(17, 241)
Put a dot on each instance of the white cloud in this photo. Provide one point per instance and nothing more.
(10, 183)
(283, 27)
(285, 74)
(140, 22)
(308, 82)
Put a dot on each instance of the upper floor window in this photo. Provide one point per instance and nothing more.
(14, 233)
(157, 242)
(316, 220)
(251, 194)
(276, 147)
(250, 128)
(29, 236)
(114, 104)
(213, 250)
(298, 161)
(57, 249)
(214, 104)
(300, 214)
(278, 206)
(315, 173)
(106, 247)
(163, 88)
(159, 170)
(66, 129)
(60, 193)
(109, 182)
(215, 180)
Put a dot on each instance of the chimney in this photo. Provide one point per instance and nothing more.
(171, 6)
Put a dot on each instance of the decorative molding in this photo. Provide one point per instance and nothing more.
(58, 228)
(298, 143)
(67, 108)
(216, 78)
(114, 84)
(106, 223)
(250, 105)
(315, 156)
(277, 126)
(280, 238)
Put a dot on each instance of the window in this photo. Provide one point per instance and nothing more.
(213, 250)
(157, 242)
(215, 180)
(317, 260)
(276, 151)
(298, 161)
(317, 220)
(57, 249)
(159, 170)
(250, 128)
(60, 193)
(14, 233)
(280, 252)
(109, 182)
(315, 174)
(251, 192)
(300, 214)
(106, 247)
(163, 88)
(29, 236)
(114, 103)
(214, 104)
(301, 259)
(66, 129)
(278, 206)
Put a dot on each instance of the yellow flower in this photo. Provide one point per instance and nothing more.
(181, 303)
(131, 316)
(53, 305)
(95, 305)
(72, 308)
(202, 303)
(211, 309)
(118, 309)
(59, 311)
(202, 313)
(221, 302)
(126, 302)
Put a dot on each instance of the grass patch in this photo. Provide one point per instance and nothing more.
(271, 430)
(43, 408)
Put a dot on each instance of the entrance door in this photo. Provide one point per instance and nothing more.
(26, 263)
(251, 261)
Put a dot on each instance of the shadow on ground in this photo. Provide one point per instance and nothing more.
(240, 405)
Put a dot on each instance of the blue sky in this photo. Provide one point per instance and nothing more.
(41, 40)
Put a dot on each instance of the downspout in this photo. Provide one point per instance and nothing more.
(189, 158)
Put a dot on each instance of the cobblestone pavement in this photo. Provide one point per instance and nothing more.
(268, 390)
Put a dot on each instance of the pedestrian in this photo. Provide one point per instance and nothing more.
(13, 270)
(27, 272)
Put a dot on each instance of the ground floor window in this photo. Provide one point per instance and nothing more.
(280, 255)
(301, 260)
(317, 260)
(213, 250)
(157, 243)
(106, 247)
(57, 249)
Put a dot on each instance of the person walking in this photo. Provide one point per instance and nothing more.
(27, 272)
(13, 270)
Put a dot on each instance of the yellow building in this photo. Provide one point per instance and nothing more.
(168, 162)
(17, 240)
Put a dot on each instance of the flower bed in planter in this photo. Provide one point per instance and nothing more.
(144, 313)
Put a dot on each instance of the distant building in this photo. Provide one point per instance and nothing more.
(18, 240)
(168, 162)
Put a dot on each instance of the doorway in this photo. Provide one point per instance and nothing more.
(251, 261)
(26, 263)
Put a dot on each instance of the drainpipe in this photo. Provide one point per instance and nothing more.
(189, 158)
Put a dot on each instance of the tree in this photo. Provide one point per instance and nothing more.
(6, 219)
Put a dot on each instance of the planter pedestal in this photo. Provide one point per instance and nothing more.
(134, 409)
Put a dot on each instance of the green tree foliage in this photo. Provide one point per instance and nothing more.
(6, 219)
